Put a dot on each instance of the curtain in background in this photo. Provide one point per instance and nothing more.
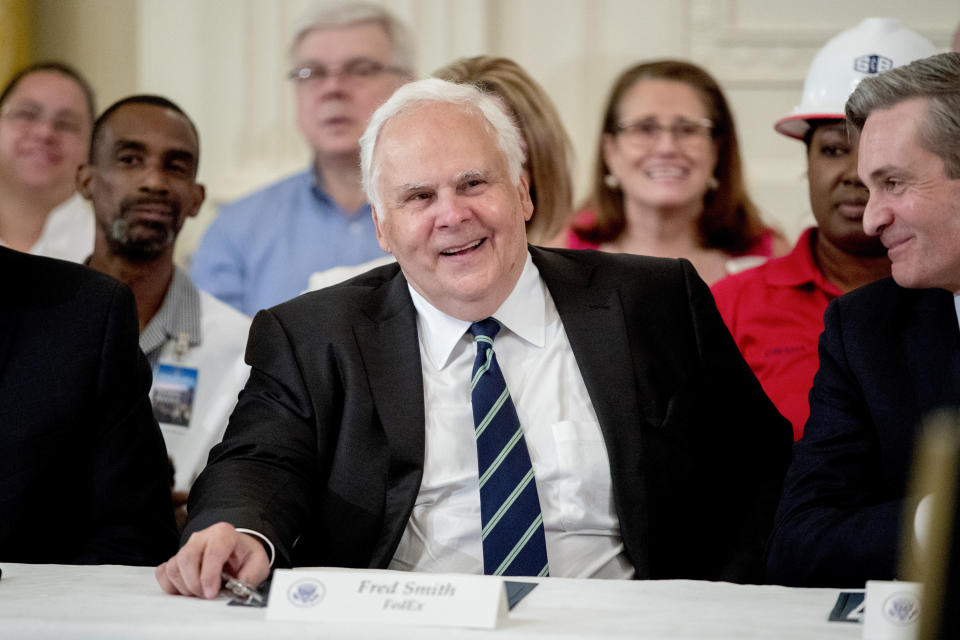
(15, 39)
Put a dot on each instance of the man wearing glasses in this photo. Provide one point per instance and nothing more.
(261, 250)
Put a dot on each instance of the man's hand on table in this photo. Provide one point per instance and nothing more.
(196, 569)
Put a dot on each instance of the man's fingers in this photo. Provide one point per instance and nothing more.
(187, 563)
(221, 544)
(196, 569)
(168, 575)
(253, 564)
(160, 573)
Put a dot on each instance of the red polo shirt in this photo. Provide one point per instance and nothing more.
(775, 313)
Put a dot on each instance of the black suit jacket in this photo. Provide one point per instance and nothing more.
(324, 452)
(83, 472)
(888, 357)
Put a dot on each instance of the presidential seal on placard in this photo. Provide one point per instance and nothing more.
(902, 608)
(306, 593)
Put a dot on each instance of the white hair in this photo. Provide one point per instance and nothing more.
(346, 14)
(494, 115)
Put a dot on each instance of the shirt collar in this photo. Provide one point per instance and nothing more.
(314, 179)
(178, 315)
(956, 305)
(523, 313)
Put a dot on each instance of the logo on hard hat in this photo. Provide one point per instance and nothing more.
(872, 63)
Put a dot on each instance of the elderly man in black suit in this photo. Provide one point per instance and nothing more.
(83, 468)
(376, 429)
(890, 351)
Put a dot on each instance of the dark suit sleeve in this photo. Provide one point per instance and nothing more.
(836, 525)
(265, 472)
(131, 514)
(745, 442)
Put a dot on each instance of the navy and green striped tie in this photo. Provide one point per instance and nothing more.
(513, 539)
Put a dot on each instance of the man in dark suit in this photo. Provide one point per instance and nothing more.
(83, 471)
(890, 351)
(654, 451)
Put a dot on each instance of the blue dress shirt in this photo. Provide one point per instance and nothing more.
(261, 250)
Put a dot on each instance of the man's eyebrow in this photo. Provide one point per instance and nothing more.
(473, 174)
(175, 153)
(413, 186)
(181, 154)
(884, 170)
(320, 63)
(127, 145)
(67, 111)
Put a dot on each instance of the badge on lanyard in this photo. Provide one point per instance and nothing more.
(174, 388)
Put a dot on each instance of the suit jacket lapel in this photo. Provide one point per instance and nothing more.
(593, 318)
(391, 357)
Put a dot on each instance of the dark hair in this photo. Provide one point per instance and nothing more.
(935, 79)
(143, 98)
(54, 67)
(548, 149)
(730, 221)
(816, 123)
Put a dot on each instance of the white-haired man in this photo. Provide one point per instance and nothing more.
(262, 249)
(377, 429)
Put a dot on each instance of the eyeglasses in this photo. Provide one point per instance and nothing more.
(690, 135)
(30, 114)
(355, 70)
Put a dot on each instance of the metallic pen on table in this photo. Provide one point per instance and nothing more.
(240, 590)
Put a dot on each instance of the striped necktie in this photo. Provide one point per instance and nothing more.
(513, 539)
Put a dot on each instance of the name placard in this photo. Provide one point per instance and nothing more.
(387, 597)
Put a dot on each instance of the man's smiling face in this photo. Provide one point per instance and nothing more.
(450, 213)
(914, 207)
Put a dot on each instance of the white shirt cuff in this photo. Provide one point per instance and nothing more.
(266, 540)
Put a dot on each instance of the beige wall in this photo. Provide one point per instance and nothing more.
(223, 61)
(97, 36)
(15, 32)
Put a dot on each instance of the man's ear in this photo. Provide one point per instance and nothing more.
(199, 195)
(526, 202)
(83, 179)
(381, 238)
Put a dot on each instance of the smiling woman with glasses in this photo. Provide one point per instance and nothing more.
(668, 178)
(46, 111)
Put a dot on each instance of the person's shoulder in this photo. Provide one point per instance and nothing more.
(252, 203)
(336, 275)
(605, 258)
(222, 314)
(613, 268)
(347, 300)
(873, 309)
(769, 243)
(881, 294)
(46, 280)
(748, 278)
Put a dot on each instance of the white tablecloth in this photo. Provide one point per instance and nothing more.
(58, 601)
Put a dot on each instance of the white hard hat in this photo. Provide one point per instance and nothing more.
(873, 46)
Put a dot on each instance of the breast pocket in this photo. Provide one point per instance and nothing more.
(584, 491)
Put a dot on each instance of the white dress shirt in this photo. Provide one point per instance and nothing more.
(561, 431)
(68, 232)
